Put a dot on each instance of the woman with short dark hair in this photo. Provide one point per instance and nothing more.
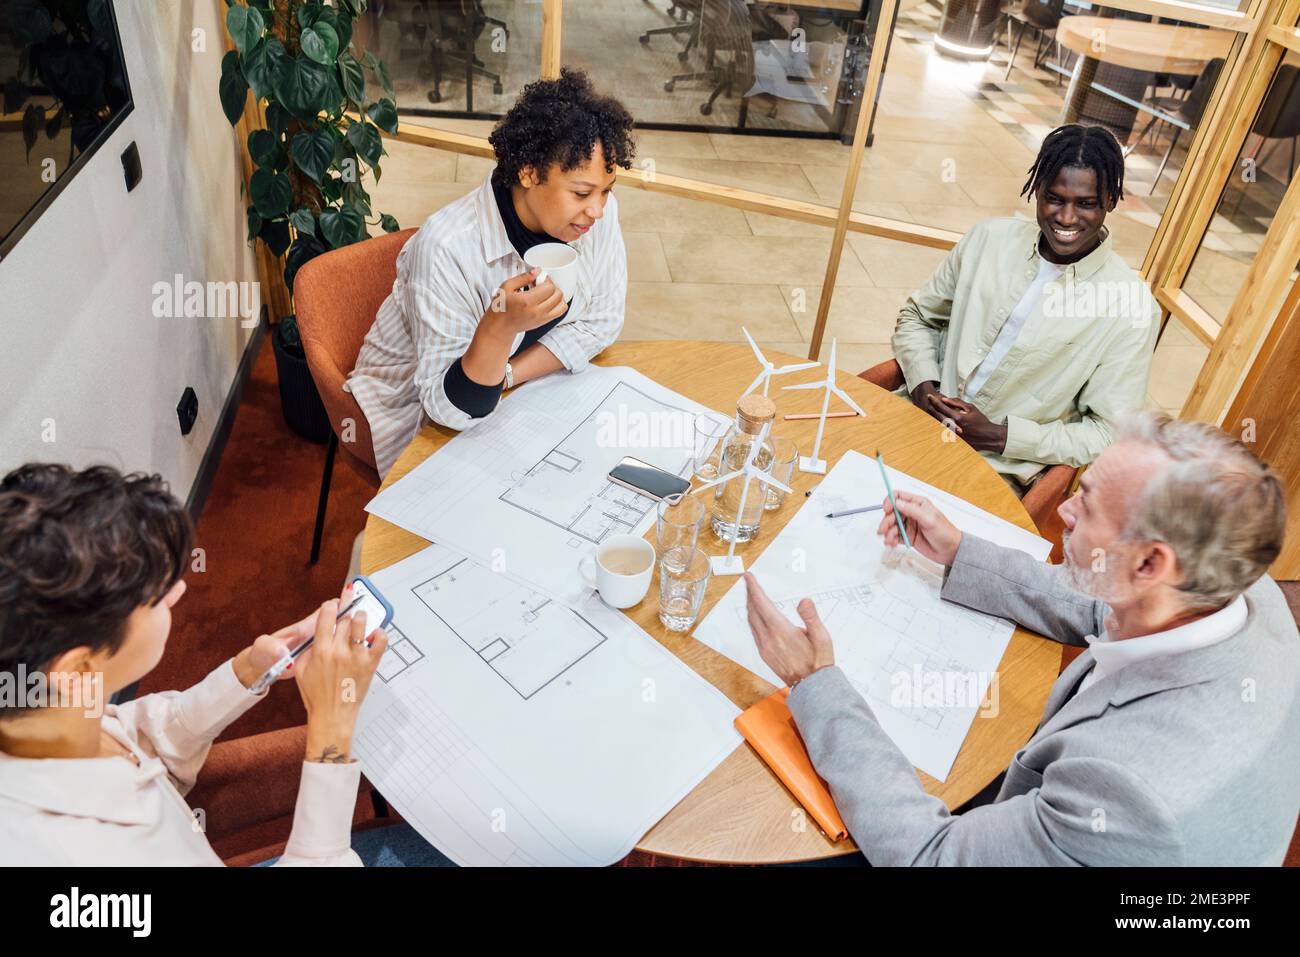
(467, 319)
(91, 564)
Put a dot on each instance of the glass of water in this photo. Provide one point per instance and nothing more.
(683, 579)
(785, 455)
(678, 524)
(709, 433)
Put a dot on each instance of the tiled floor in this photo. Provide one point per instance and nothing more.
(941, 157)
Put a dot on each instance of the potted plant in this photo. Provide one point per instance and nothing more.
(325, 103)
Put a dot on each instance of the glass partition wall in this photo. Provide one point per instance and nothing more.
(750, 117)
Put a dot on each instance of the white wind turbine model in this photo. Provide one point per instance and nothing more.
(769, 369)
(812, 463)
(731, 563)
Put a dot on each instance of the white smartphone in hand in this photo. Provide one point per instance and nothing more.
(366, 598)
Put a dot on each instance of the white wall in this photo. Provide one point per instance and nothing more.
(79, 344)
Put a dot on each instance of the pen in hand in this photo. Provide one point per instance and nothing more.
(277, 670)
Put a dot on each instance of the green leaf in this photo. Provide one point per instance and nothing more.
(101, 21)
(264, 148)
(277, 119)
(262, 65)
(233, 87)
(33, 120)
(272, 192)
(304, 249)
(303, 88)
(354, 195)
(254, 223)
(320, 42)
(29, 22)
(385, 78)
(313, 151)
(388, 223)
(332, 189)
(365, 139)
(275, 233)
(384, 115)
(310, 13)
(343, 27)
(245, 25)
(303, 220)
(354, 79)
(342, 226)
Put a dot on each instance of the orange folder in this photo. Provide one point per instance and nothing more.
(769, 727)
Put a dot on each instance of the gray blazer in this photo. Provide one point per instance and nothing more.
(1188, 759)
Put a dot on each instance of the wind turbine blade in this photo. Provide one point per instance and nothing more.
(767, 479)
(830, 368)
(848, 399)
(719, 480)
(754, 385)
(762, 359)
(796, 367)
(807, 385)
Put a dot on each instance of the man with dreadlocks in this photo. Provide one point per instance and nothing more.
(467, 318)
(1030, 339)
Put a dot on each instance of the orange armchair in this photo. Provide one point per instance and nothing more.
(337, 296)
(1042, 499)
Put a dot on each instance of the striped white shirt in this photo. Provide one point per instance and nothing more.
(447, 274)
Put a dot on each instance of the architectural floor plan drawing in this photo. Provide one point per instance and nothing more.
(529, 486)
(524, 731)
(523, 636)
(568, 487)
(400, 655)
(924, 665)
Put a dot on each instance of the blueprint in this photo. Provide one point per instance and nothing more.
(923, 664)
(526, 490)
(510, 729)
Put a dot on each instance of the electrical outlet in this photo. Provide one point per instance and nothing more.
(187, 410)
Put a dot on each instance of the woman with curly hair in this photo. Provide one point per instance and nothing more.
(467, 319)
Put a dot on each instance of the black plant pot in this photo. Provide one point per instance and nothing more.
(303, 410)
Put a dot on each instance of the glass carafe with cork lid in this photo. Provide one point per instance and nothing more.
(754, 415)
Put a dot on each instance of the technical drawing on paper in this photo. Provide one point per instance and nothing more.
(881, 638)
(400, 655)
(569, 487)
(525, 637)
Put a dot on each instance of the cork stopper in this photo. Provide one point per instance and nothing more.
(753, 412)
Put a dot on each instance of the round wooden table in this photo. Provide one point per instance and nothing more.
(1135, 45)
(741, 813)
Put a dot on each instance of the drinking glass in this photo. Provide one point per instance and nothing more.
(678, 525)
(683, 579)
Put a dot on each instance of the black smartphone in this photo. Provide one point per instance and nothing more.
(647, 480)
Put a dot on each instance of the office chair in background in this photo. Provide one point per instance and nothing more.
(690, 28)
(454, 27)
(1041, 16)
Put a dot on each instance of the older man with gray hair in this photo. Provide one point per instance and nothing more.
(1173, 739)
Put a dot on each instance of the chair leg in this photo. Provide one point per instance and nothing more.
(330, 450)
(1011, 61)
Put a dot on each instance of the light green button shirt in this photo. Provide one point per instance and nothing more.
(1081, 359)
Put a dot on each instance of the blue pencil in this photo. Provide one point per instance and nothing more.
(897, 517)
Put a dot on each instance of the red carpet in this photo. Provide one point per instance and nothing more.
(255, 532)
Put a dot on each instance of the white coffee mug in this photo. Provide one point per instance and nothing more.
(558, 261)
(620, 569)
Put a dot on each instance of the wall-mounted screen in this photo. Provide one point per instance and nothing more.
(65, 91)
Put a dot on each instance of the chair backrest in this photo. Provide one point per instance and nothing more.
(1194, 106)
(336, 297)
(1280, 114)
(1044, 14)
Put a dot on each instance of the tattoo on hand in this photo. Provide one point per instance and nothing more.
(332, 755)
